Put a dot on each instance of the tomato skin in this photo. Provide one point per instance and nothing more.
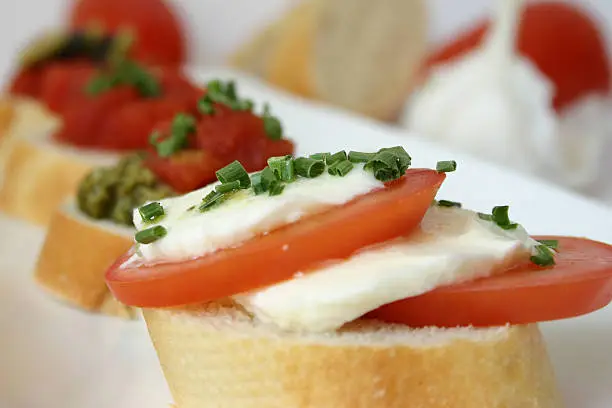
(579, 283)
(159, 35)
(83, 122)
(186, 170)
(26, 82)
(238, 135)
(129, 126)
(64, 83)
(335, 234)
(560, 39)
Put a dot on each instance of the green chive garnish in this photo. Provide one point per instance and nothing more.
(550, 243)
(446, 166)
(150, 235)
(336, 157)
(500, 217)
(360, 157)
(211, 200)
(182, 126)
(309, 168)
(262, 180)
(389, 163)
(340, 168)
(320, 156)
(486, 217)
(205, 106)
(151, 212)
(272, 126)
(544, 256)
(228, 187)
(276, 188)
(448, 203)
(283, 167)
(232, 172)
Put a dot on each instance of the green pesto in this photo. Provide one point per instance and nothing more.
(111, 193)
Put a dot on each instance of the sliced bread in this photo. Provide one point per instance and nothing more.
(38, 173)
(217, 355)
(76, 253)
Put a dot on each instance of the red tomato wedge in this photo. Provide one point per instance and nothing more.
(186, 170)
(334, 234)
(158, 31)
(579, 283)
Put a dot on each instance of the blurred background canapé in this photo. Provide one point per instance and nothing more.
(523, 83)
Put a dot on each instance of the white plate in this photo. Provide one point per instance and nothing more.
(54, 356)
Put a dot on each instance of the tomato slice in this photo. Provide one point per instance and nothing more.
(186, 170)
(63, 83)
(579, 283)
(334, 234)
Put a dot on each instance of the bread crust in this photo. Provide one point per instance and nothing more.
(74, 257)
(215, 357)
(312, 51)
(38, 174)
(289, 62)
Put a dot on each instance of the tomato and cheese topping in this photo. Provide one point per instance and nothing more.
(192, 232)
(451, 246)
(309, 244)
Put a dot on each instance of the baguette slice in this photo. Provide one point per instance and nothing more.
(218, 356)
(367, 53)
(358, 54)
(76, 253)
(38, 173)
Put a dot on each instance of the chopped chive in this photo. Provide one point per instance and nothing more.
(486, 217)
(500, 214)
(500, 217)
(211, 200)
(283, 167)
(205, 106)
(309, 168)
(228, 187)
(262, 180)
(336, 157)
(340, 168)
(389, 163)
(320, 156)
(151, 212)
(182, 126)
(360, 157)
(272, 126)
(448, 203)
(543, 256)
(149, 235)
(276, 188)
(550, 243)
(446, 166)
(232, 172)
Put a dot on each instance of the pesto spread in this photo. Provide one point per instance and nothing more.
(112, 193)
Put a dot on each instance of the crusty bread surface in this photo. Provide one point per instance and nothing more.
(358, 54)
(38, 174)
(74, 257)
(218, 356)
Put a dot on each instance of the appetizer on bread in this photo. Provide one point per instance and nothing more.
(84, 104)
(336, 280)
(88, 234)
